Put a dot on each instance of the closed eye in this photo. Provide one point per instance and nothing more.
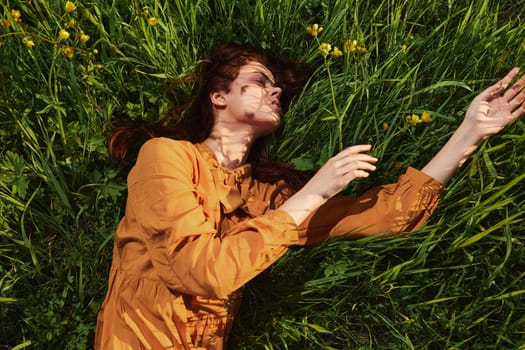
(261, 82)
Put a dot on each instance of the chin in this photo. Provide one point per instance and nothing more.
(270, 129)
(267, 123)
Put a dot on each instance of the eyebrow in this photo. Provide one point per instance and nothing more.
(265, 76)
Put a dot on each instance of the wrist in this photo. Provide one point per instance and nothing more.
(302, 204)
(465, 140)
(453, 154)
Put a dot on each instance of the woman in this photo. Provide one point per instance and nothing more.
(204, 215)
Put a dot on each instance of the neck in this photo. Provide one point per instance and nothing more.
(230, 147)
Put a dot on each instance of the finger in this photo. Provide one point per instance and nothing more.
(355, 174)
(356, 149)
(517, 99)
(354, 159)
(508, 78)
(352, 150)
(501, 85)
(359, 157)
(518, 111)
(356, 166)
(515, 89)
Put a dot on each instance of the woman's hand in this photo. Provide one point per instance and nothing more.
(335, 175)
(495, 108)
(340, 170)
(488, 114)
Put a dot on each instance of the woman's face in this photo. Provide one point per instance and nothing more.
(253, 99)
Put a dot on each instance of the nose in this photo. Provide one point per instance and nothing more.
(276, 91)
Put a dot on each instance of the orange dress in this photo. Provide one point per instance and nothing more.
(195, 232)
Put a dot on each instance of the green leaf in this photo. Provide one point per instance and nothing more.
(303, 163)
(318, 328)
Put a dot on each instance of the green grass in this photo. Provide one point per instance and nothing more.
(458, 283)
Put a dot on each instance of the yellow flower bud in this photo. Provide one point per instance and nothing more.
(69, 52)
(5, 23)
(325, 48)
(63, 34)
(314, 29)
(152, 21)
(16, 14)
(336, 52)
(69, 7)
(84, 38)
(28, 42)
(426, 117)
(385, 126)
(413, 119)
(72, 22)
(349, 45)
(353, 47)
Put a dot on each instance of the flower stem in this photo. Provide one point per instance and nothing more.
(334, 103)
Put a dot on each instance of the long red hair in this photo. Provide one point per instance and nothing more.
(196, 122)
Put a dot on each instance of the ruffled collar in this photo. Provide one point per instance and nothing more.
(233, 185)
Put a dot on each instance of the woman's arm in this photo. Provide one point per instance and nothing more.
(389, 209)
(406, 205)
(335, 175)
(488, 113)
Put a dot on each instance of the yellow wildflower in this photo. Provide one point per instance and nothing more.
(84, 38)
(72, 22)
(28, 42)
(16, 14)
(63, 34)
(69, 52)
(336, 52)
(314, 29)
(152, 21)
(325, 48)
(5, 23)
(413, 119)
(426, 117)
(353, 47)
(95, 52)
(70, 7)
(385, 126)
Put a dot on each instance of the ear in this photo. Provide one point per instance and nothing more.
(218, 98)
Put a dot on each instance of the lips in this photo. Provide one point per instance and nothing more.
(276, 105)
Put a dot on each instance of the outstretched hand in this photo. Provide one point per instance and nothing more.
(341, 169)
(488, 113)
(335, 175)
(495, 107)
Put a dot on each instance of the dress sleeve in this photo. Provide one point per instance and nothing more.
(183, 243)
(400, 207)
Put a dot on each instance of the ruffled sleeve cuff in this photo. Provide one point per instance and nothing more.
(394, 208)
(426, 182)
(289, 228)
